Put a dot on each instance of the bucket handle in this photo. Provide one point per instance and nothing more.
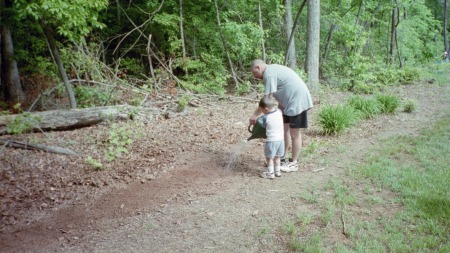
(250, 128)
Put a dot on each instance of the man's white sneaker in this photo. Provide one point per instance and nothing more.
(290, 167)
(268, 175)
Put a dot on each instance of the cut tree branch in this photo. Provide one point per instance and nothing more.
(32, 146)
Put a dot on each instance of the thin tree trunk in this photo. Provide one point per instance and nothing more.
(396, 38)
(233, 74)
(392, 43)
(445, 28)
(398, 51)
(328, 42)
(291, 37)
(359, 12)
(312, 64)
(149, 57)
(181, 30)
(10, 79)
(57, 58)
(290, 54)
(263, 48)
(329, 37)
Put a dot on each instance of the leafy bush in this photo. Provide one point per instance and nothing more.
(387, 76)
(388, 103)
(243, 88)
(22, 123)
(132, 66)
(94, 163)
(368, 107)
(202, 78)
(89, 96)
(335, 119)
(409, 75)
(120, 137)
(410, 106)
(183, 102)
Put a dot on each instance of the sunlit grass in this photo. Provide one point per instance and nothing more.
(407, 177)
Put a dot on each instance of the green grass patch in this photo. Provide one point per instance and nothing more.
(334, 119)
(410, 106)
(417, 169)
(402, 203)
(368, 107)
(388, 103)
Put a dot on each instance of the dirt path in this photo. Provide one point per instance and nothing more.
(177, 192)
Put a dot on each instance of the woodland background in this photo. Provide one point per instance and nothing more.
(58, 54)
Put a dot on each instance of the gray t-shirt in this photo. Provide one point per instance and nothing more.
(288, 89)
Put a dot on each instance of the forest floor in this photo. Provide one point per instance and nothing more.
(189, 183)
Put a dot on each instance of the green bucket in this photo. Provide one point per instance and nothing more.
(257, 130)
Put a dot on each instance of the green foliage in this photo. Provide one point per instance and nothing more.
(335, 119)
(84, 60)
(241, 39)
(131, 66)
(90, 96)
(388, 76)
(22, 123)
(74, 19)
(203, 78)
(368, 107)
(120, 137)
(183, 102)
(243, 88)
(94, 163)
(410, 106)
(388, 103)
(409, 75)
(169, 23)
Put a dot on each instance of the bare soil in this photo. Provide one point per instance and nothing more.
(189, 183)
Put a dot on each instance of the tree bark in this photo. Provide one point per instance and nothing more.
(293, 29)
(10, 79)
(330, 36)
(57, 58)
(312, 64)
(290, 51)
(72, 119)
(33, 146)
(181, 30)
(393, 32)
(263, 47)
(445, 28)
(233, 73)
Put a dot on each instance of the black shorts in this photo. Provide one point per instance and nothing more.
(297, 121)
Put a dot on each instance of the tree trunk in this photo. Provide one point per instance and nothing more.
(291, 38)
(71, 119)
(329, 37)
(290, 51)
(263, 47)
(233, 74)
(393, 28)
(57, 58)
(312, 64)
(445, 28)
(10, 79)
(181, 30)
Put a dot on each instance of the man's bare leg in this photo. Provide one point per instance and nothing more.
(287, 139)
(296, 138)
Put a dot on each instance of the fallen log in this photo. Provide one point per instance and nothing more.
(33, 146)
(71, 119)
